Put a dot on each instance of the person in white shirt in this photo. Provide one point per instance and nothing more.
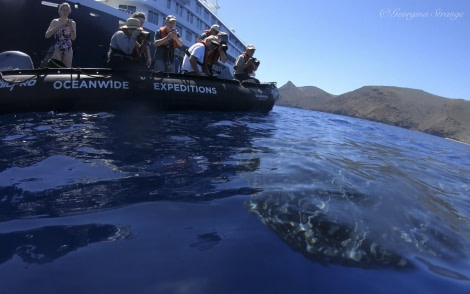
(194, 60)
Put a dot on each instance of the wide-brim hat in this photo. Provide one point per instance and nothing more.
(250, 47)
(132, 24)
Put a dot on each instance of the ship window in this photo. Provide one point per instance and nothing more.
(200, 24)
(179, 9)
(188, 35)
(152, 17)
(190, 17)
(199, 9)
(179, 28)
(128, 8)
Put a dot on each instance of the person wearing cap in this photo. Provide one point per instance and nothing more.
(122, 54)
(213, 31)
(246, 65)
(195, 59)
(167, 39)
(219, 54)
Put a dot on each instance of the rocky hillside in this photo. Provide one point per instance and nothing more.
(403, 107)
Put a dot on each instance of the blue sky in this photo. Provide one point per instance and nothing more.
(340, 46)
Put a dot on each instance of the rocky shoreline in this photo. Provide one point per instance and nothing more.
(403, 107)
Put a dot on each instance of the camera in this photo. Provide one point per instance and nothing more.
(223, 37)
(145, 35)
(256, 62)
(224, 46)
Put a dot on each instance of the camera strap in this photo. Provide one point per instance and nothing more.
(189, 55)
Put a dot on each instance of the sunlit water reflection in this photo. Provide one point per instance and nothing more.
(343, 192)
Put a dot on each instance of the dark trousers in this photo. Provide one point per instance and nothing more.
(245, 76)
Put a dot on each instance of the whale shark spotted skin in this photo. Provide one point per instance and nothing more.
(331, 227)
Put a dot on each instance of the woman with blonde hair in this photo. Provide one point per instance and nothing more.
(65, 31)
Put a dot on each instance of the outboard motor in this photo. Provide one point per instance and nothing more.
(10, 60)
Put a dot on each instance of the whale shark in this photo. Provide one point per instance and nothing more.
(352, 229)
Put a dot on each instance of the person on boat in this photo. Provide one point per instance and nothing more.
(65, 31)
(167, 39)
(219, 54)
(195, 60)
(246, 65)
(213, 31)
(213, 58)
(122, 52)
(143, 40)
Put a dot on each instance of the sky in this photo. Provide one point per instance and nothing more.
(342, 45)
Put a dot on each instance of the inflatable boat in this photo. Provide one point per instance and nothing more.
(102, 89)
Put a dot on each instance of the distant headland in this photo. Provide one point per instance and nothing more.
(403, 107)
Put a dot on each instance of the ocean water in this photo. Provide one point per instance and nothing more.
(292, 201)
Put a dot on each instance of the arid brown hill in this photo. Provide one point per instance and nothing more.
(408, 108)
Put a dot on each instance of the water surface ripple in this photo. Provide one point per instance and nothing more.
(338, 190)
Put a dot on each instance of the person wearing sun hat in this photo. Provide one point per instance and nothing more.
(167, 39)
(121, 52)
(246, 65)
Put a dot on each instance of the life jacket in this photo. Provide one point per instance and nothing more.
(251, 68)
(209, 59)
(213, 57)
(204, 35)
(163, 33)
